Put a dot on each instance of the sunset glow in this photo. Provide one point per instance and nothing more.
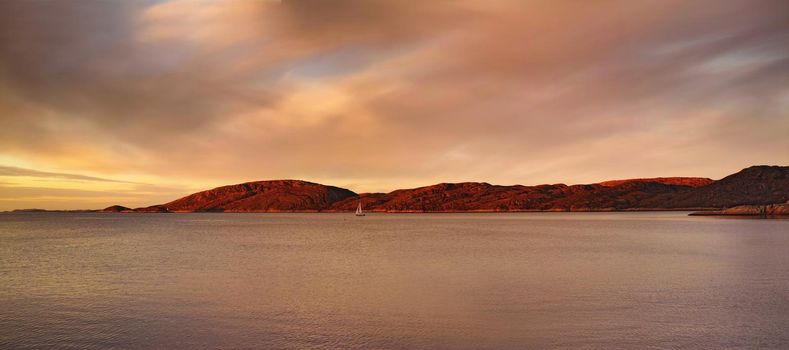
(140, 102)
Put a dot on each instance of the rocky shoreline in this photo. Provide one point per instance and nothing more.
(770, 210)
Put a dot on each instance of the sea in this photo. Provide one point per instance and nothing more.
(644, 280)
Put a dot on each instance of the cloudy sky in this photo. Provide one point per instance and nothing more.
(140, 102)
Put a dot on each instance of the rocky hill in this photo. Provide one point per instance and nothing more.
(262, 196)
(471, 196)
(756, 185)
(116, 209)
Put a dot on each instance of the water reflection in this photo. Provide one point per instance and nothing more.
(599, 280)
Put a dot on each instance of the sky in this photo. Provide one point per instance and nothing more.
(141, 102)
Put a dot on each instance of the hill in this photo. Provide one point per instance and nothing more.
(757, 185)
(262, 196)
(754, 185)
(472, 196)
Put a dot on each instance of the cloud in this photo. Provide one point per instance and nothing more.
(23, 188)
(14, 171)
(376, 95)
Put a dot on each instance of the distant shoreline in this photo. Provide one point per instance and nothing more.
(770, 210)
(371, 211)
(766, 211)
(751, 191)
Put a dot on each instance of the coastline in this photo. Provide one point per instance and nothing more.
(482, 211)
(766, 211)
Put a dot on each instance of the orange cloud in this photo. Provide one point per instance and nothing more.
(376, 95)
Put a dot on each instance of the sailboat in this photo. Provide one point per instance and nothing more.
(359, 211)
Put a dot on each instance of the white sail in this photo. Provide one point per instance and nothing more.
(359, 211)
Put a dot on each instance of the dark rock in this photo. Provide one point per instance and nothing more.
(117, 209)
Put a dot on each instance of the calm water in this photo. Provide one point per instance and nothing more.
(326, 281)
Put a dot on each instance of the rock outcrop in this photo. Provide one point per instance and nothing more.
(116, 209)
(681, 181)
(152, 209)
(768, 210)
(122, 209)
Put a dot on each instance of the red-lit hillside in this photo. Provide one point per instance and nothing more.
(754, 185)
